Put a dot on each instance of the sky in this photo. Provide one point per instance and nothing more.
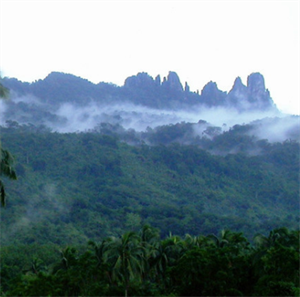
(202, 41)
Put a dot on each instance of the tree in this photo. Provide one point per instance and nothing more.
(6, 159)
(125, 255)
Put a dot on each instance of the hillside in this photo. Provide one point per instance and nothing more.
(79, 186)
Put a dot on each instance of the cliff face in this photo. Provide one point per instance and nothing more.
(170, 90)
(253, 96)
(173, 83)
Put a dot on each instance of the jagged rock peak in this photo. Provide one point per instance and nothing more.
(158, 80)
(173, 82)
(252, 96)
(238, 85)
(255, 81)
(256, 87)
(143, 79)
(211, 95)
(209, 88)
(238, 92)
(186, 87)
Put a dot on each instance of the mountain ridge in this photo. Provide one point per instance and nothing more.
(145, 90)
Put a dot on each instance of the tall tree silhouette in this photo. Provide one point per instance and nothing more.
(6, 159)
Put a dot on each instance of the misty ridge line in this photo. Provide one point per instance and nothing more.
(143, 89)
(64, 103)
(137, 88)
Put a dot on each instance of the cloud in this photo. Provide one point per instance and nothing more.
(138, 117)
(69, 117)
(277, 129)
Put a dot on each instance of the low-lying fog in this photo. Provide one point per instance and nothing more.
(69, 117)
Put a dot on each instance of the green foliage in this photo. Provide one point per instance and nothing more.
(7, 170)
(143, 264)
(79, 186)
(6, 159)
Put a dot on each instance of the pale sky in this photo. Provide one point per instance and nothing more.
(200, 40)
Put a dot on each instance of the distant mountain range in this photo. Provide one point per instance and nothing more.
(142, 89)
(146, 106)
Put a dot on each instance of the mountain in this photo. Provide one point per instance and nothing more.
(66, 103)
(106, 171)
(253, 96)
(142, 89)
(149, 151)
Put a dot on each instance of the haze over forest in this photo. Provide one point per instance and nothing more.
(66, 103)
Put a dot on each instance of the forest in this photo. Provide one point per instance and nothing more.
(143, 264)
(92, 215)
(96, 202)
(66, 180)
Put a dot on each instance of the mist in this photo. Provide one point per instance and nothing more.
(39, 209)
(277, 129)
(70, 117)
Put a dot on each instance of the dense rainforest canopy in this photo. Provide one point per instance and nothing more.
(78, 186)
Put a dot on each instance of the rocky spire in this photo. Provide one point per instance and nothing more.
(172, 82)
(256, 87)
(158, 80)
(186, 87)
(252, 96)
(238, 86)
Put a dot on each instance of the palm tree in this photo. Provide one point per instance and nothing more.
(149, 241)
(263, 242)
(220, 242)
(99, 250)
(125, 256)
(235, 240)
(68, 259)
(166, 253)
(6, 159)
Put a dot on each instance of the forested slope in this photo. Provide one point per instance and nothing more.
(79, 186)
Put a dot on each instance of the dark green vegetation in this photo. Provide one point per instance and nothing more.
(7, 170)
(77, 220)
(6, 159)
(75, 187)
(142, 264)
